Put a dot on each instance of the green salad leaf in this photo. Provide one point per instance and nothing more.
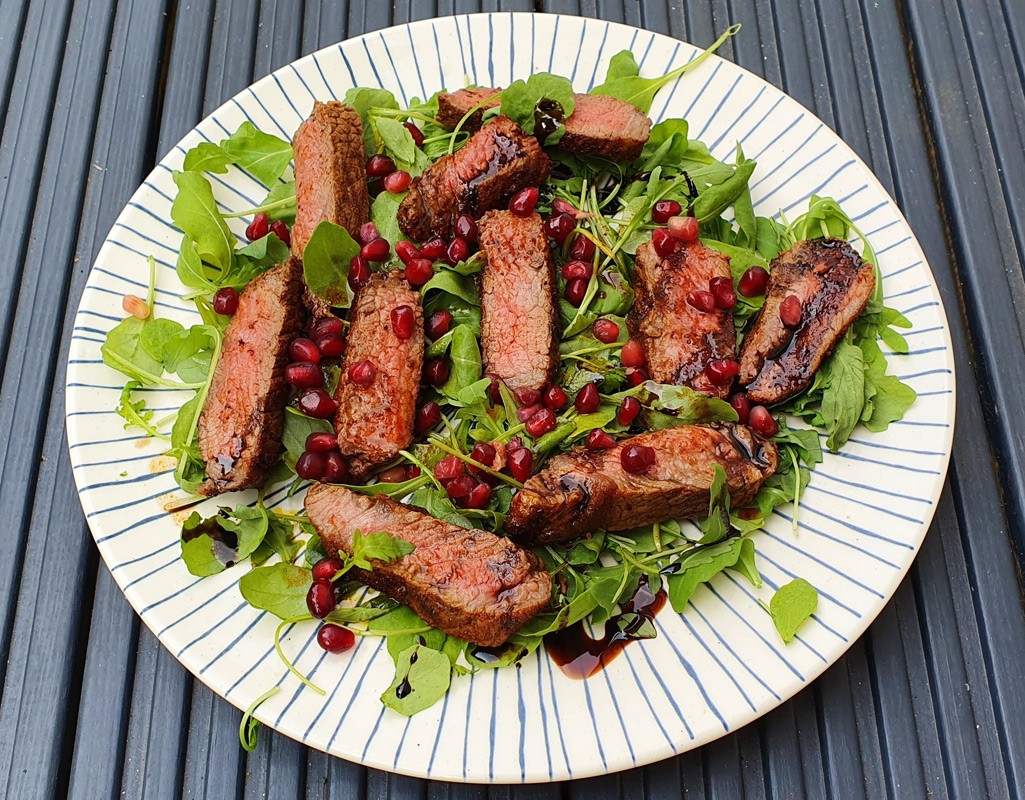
(522, 100)
(791, 605)
(279, 588)
(326, 263)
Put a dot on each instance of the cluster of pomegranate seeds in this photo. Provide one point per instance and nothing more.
(762, 422)
(701, 300)
(632, 354)
(558, 227)
(438, 324)
(466, 228)
(415, 132)
(379, 166)
(637, 458)
(524, 202)
(463, 489)
(664, 210)
(436, 372)
(605, 331)
(403, 321)
(577, 270)
(225, 301)
(685, 229)
(427, 416)
(753, 282)
(791, 311)
(397, 182)
(359, 273)
(258, 228)
(321, 460)
(742, 405)
(335, 639)
(599, 440)
(628, 411)
(588, 399)
(575, 291)
(376, 250)
(722, 371)
(664, 243)
(362, 373)
(722, 291)
(280, 229)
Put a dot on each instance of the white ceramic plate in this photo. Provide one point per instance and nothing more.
(709, 671)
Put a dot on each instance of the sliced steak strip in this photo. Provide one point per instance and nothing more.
(680, 340)
(518, 302)
(834, 286)
(374, 422)
(599, 125)
(468, 583)
(583, 491)
(240, 428)
(496, 162)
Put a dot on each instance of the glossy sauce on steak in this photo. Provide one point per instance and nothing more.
(374, 422)
(240, 427)
(497, 161)
(468, 583)
(518, 302)
(587, 490)
(680, 340)
(834, 286)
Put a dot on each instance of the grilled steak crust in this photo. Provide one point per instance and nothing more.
(599, 126)
(834, 286)
(375, 422)
(240, 427)
(496, 162)
(517, 299)
(468, 583)
(679, 340)
(330, 172)
(583, 491)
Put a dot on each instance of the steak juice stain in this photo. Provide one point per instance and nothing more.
(548, 116)
(580, 656)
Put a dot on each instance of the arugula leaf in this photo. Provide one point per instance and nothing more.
(396, 140)
(191, 271)
(279, 588)
(135, 413)
(422, 677)
(380, 546)
(791, 605)
(466, 362)
(206, 157)
(844, 395)
(262, 155)
(521, 98)
(384, 214)
(746, 563)
(700, 567)
(362, 99)
(249, 524)
(717, 524)
(195, 214)
(326, 263)
(714, 200)
(124, 349)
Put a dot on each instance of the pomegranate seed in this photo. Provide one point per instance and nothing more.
(542, 422)
(628, 411)
(684, 228)
(436, 372)
(460, 487)
(575, 291)
(320, 599)
(520, 461)
(527, 397)
(599, 440)
(406, 251)
(721, 371)
(791, 310)
(583, 248)
(458, 250)
(466, 228)
(479, 497)
(359, 273)
(327, 326)
(484, 453)
(280, 229)
(637, 458)
(379, 166)
(560, 206)
(632, 354)
(325, 569)
(588, 400)
(335, 639)
(415, 132)
(331, 346)
(448, 469)
(515, 443)
(523, 203)
(310, 466)
(335, 468)
(555, 398)
(761, 421)
(433, 249)
(663, 210)
(664, 244)
(438, 324)
(304, 376)
(368, 232)
(701, 300)
(303, 350)
(413, 471)
(258, 228)
(362, 373)
(395, 474)
(318, 404)
(375, 250)
(427, 416)
(722, 291)
(742, 405)
(494, 392)
(558, 227)
(225, 301)
(605, 331)
(635, 376)
(577, 270)
(403, 320)
(321, 442)
(136, 306)
(753, 282)
(397, 182)
(419, 271)
(525, 413)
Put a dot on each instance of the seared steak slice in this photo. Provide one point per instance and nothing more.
(599, 125)
(587, 490)
(833, 285)
(680, 340)
(517, 301)
(496, 162)
(468, 583)
(374, 422)
(240, 428)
